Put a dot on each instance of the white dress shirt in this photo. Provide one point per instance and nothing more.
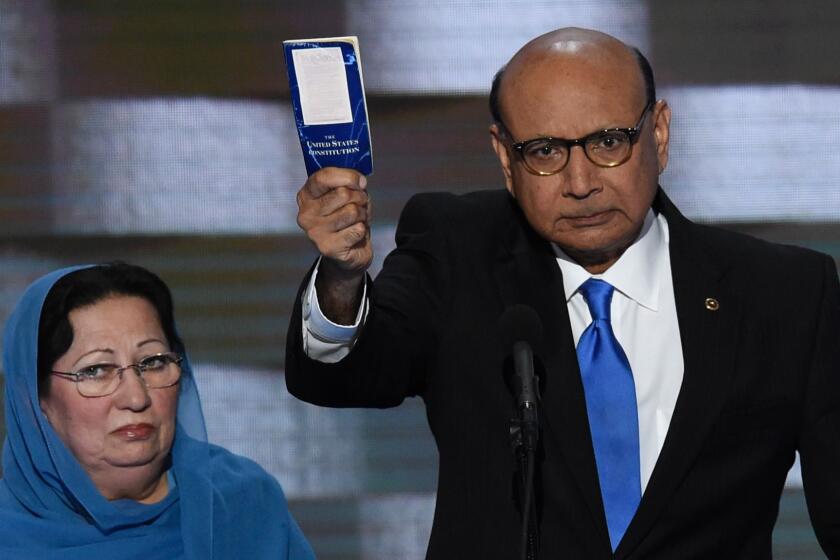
(644, 320)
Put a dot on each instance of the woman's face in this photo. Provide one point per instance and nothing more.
(123, 439)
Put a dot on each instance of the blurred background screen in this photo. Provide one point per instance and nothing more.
(160, 133)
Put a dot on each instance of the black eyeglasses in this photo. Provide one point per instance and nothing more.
(100, 380)
(605, 148)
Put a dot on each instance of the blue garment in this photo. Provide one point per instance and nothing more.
(222, 507)
(611, 408)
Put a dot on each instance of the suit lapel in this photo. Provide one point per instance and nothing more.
(526, 272)
(708, 343)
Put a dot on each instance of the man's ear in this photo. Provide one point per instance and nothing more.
(502, 153)
(662, 132)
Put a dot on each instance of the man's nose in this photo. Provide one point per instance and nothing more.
(132, 392)
(578, 174)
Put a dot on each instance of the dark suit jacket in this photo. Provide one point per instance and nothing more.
(761, 380)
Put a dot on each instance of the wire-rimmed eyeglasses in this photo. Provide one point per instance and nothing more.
(610, 147)
(99, 380)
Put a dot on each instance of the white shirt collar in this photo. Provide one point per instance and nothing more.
(635, 274)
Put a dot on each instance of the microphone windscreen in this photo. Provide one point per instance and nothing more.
(520, 323)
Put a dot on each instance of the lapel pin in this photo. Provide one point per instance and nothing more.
(712, 304)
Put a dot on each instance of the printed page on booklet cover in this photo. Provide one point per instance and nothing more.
(328, 98)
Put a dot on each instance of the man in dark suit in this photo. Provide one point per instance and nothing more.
(681, 365)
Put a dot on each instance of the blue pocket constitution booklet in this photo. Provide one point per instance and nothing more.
(328, 97)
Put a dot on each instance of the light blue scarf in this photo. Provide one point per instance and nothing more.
(222, 506)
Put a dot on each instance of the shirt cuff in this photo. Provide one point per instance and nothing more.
(324, 340)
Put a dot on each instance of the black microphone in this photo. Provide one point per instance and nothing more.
(521, 330)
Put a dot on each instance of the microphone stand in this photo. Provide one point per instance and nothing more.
(521, 328)
(524, 434)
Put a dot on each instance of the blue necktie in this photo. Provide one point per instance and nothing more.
(611, 407)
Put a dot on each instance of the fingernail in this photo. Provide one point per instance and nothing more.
(362, 181)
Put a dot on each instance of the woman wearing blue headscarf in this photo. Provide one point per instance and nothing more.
(106, 454)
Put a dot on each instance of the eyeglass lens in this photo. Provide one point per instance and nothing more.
(607, 149)
(157, 372)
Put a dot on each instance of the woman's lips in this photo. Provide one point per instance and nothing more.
(133, 432)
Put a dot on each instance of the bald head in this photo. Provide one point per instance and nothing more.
(571, 97)
(585, 46)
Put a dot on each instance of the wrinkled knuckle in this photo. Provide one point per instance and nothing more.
(304, 200)
(344, 217)
(317, 185)
(330, 200)
(310, 184)
(305, 219)
(305, 206)
(343, 195)
(361, 198)
(356, 233)
(353, 213)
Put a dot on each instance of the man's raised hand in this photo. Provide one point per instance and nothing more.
(334, 212)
